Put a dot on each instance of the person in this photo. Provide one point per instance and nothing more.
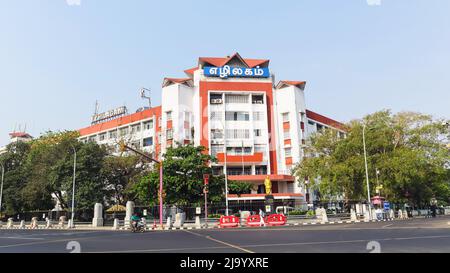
(135, 220)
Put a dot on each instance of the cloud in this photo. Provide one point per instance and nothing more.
(374, 2)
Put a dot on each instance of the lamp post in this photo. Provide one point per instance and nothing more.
(225, 162)
(123, 147)
(73, 185)
(367, 172)
(1, 186)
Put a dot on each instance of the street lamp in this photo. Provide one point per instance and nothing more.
(225, 162)
(367, 172)
(1, 186)
(73, 185)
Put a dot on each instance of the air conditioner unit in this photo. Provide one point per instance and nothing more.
(216, 101)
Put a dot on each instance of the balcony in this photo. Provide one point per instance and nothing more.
(255, 158)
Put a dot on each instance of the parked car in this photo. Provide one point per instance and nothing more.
(284, 209)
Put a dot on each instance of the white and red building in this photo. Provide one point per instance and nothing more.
(253, 125)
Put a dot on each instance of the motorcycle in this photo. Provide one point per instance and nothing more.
(137, 227)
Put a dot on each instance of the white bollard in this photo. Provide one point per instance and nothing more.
(324, 216)
(366, 216)
(197, 222)
(10, 223)
(62, 221)
(22, 224)
(48, 223)
(97, 221)
(34, 223)
(179, 219)
(128, 214)
(353, 215)
(116, 224)
(391, 214)
(405, 214)
(169, 222)
(374, 215)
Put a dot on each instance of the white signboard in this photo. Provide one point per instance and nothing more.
(109, 114)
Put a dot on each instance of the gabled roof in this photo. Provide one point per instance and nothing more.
(190, 71)
(299, 84)
(215, 61)
(170, 81)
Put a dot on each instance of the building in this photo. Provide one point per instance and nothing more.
(253, 125)
(17, 137)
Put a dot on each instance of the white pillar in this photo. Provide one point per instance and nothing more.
(353, 215)
(169, 222)
(366, 216)
(391, 214)
(48, 223)
(22, 224)
(324, 216)
(116, 224)
(197, 222)
(97, 221)
(62, 221)
(129, 213)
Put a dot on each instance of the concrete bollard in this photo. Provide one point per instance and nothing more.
(169, 222)
(243, 217)
(324, 216)
(374, 214)
(129, 212)
(97, 221)
(405, 214)
(34, 223)
(48, 223)
(391, 214)
(116, 224)
(197, 222)
(179, 219)
(62, 221)
(353, 215)
(22, 224)
(10, 223)
(366, 216)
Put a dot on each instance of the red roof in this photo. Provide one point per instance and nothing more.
(19, 134)
(190, 71)
(121, 121)
(299, 84)
(223, 61)
(325, 120)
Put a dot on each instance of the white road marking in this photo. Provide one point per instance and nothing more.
(222, 242)
(22, 238)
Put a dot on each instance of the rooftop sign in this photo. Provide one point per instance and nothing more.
(114, 113)
(230, 71)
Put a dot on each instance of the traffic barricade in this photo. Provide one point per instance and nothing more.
(228, 221)
(276, 220)
(254, 221)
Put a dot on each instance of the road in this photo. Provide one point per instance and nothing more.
(417, 235)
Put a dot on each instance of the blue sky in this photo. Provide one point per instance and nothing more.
(56, 60)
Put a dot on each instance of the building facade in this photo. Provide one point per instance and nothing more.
(254, 126)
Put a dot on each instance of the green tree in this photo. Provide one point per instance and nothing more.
(183, 169)
(407, 149)
(237, 187)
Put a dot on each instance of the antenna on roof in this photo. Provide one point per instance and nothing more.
(143, 96)
(96, 108)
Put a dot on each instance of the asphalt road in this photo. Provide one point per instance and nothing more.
(417, 235)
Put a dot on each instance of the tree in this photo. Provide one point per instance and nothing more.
(183, 169)
(118, 173)
(407, 149)
(237, 187)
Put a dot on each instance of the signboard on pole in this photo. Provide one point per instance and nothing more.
(206, 179)
(387, 206)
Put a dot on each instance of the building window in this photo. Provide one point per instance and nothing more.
(239, 151)
(102, 137)
(319, 127)
(136, 144)
(236, 98)
(92, 138)
(238, 133)
(112, 134)
(187, 134)
(169, 134)
(148, 141)
(258, 116)
(260, 170)
(216, 134)
(135, 128)
(239, 171)
(287, 152)
(286, 134)
(215, 99)
(148, 125)
(216, 115)
(215, 149)
(123, 131)
(169, 115)
(237, 116)
(258, 132)
(285, 117)
(159, 122)
(260, 148)
(257, 99)
(159, 138)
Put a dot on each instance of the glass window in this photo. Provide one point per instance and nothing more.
(169, 115)
(148, 141)
(216, 133)
(285, 117)
(102, 137)
(287, 134)
(148, 125)
(231, 98)
(113, 134)
(237, 116)
(287, 152)
(169, 134)
(257, 99)
(258, 132)
(123, 131)
(135, 128)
